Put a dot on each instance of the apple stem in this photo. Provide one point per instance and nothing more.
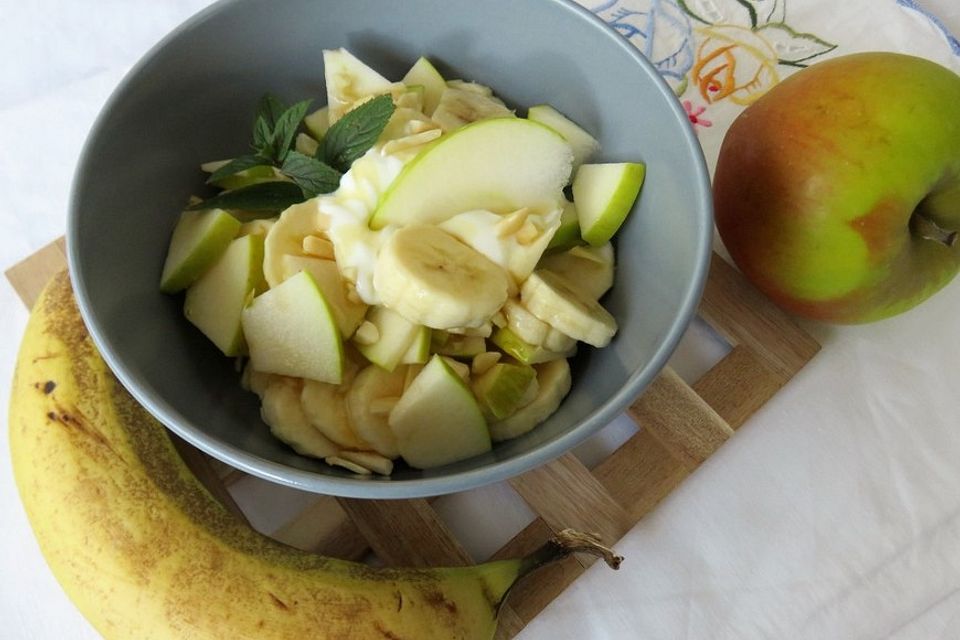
(930, 230)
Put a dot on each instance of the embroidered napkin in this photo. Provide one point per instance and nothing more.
(721, 55)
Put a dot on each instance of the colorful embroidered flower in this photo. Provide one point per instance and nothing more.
(694, 113)
(735, 63)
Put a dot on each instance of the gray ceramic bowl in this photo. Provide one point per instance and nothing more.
(191, 100)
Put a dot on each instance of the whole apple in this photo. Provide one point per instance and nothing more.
(838, 192)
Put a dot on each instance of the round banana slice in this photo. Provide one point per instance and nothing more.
(326, 408)
(369, 401)
(431, 278)
(553, 384)
(552, 299)
(285, 237)
(527, 326)
(283, 413)
(589, 270)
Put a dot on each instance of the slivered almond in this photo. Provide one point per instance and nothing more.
(512, 222)
(318, 247)
(414, 140)
(586, 254)
(338, 461)
(367, 333)
(482, 362)
(499, 319)
(370, 460)
(527, 233)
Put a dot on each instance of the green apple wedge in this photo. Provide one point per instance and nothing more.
(199, 239)
(568, 233)
(584, 145)
(318, 122)
(500, 165)
(604, 195)
(419, 350)
(423, 73)
(437, 420)
(215, 302)
(393, 337)
(307, 145)
(291, 330)
(553, 384)
(501, 389)
(348, 313)
(245, 178)
(512, 345)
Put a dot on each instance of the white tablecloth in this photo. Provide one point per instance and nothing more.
(834, 513)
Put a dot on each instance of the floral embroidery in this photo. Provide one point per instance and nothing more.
(694, 113)
(724, 50)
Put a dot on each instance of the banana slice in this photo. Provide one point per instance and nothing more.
(589, 270)
(433, 279)
(550, 298)
(326, 408)
(553, 384)
(286, 235)
(370, 399)
(283, 413)
(527, 326)
(472, 87)
(459, 106)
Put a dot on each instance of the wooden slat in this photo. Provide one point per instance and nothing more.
(737, 386)
(565, 494)
(324, 528)
(744, 316)
(681, 420)
(406, 532)
(29, 276)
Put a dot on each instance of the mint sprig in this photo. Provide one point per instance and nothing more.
(274, 129)
(352, 135)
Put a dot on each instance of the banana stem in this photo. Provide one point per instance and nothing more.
(568, 542)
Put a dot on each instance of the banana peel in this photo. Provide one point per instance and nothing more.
(145, 551)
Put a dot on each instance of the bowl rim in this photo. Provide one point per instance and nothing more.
(419, 487)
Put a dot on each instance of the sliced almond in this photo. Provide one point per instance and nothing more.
(418, 138)
(318, 247)
(499, 319)
(512, 222)
(528, 233)
(367, 333)
(369, 460)
(349, 465)
(482, 362)
(587, 254)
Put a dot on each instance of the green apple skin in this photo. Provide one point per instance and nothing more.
(604, 195)
(424, 74)
(198, 241)
(823, 187)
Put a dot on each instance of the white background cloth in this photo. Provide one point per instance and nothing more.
(833, 514)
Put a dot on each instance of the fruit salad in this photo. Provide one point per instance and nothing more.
(400, 272)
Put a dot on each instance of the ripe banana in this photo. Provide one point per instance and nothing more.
(460, 106)
(589, 270)
(550, 298)
(144, 551)
(431, 278)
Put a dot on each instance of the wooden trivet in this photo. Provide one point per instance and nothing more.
(680, 426)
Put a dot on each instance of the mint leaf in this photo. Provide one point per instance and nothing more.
(352, 135)
(263, 137)
(270, 109)
(286, 128)
(266, 197)
(313, 176)
(236, 166)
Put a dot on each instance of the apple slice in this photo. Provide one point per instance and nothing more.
(348, 310)
(307, 145)
(568, 233)
(393, 337)
(199, 238)
(584, 145)
(292, 331)
(523, 351)
(459, 107)
(501, 165)
(245, 178)
(437, 420)
(458, 346)
(553, 384)
(423, 73)
(215, 301)
(502, 388)
(349, 80)
(604, 195)
(589, 270)
(419, 350)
